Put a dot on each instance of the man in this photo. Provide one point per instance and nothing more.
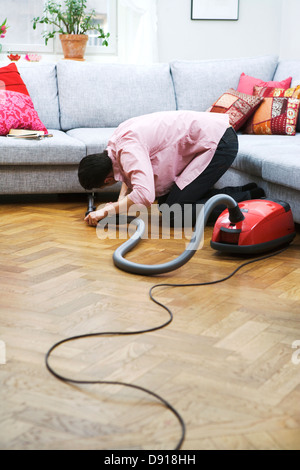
(175, 156)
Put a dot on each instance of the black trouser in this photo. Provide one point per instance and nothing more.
(200, 190)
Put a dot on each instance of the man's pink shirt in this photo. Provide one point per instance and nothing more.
(152, 152)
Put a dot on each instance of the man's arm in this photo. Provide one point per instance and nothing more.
(112, 208)
(135, 162)
(123, 192)
(136, 165)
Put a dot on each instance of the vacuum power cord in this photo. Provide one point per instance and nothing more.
(164, 402)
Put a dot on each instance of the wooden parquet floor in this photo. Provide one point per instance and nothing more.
(225, 362)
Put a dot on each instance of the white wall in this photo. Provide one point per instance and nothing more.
(290, 30)
(264, 27)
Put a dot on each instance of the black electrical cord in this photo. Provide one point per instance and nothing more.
(148, 330)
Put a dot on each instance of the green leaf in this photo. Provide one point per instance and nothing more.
(71, 19)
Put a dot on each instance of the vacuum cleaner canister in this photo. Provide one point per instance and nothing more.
(268, 224)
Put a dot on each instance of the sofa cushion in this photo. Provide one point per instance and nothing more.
(293, 92)
(292, 67)
(239, 106)
(198, 84)
(40, 80)
(295, 83)
(287, 68)
(273, 158)
(95, 139)
(270, 91)
(17, 112)
(246, 83)
(61, 149)
(275, 115)
(10, 79)
(104, 95)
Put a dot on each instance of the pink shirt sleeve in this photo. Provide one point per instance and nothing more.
(138, 173)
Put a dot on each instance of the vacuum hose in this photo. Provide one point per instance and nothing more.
(235, 215)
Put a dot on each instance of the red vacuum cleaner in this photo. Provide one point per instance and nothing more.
(267, 224)
(250, 227)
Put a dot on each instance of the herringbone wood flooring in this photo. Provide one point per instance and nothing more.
(225, 363)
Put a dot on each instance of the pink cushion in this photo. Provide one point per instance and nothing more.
(17, 112)
(247, 83)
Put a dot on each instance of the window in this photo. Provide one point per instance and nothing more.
(106, 16)
(21, 37)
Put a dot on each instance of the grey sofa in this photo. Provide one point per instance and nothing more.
(82, 103)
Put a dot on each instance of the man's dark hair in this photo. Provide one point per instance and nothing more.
(93, 170)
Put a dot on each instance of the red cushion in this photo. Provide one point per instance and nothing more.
(17, 112)
(247, 83)
(11, 80)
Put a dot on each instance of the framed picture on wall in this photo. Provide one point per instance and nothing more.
(215, 10)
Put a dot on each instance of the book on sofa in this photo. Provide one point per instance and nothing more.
(27, 134)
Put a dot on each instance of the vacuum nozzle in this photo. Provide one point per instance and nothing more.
(235, 214)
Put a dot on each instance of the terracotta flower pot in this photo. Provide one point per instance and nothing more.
(74, 45)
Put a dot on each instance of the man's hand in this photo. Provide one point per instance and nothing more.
(93, 218)
(110, 209)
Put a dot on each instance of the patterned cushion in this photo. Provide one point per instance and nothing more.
(280, 92)
(17, 112)
(276, 115)
(239, 106)
(277, 92)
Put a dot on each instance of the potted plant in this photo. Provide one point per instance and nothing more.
(71, 22)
